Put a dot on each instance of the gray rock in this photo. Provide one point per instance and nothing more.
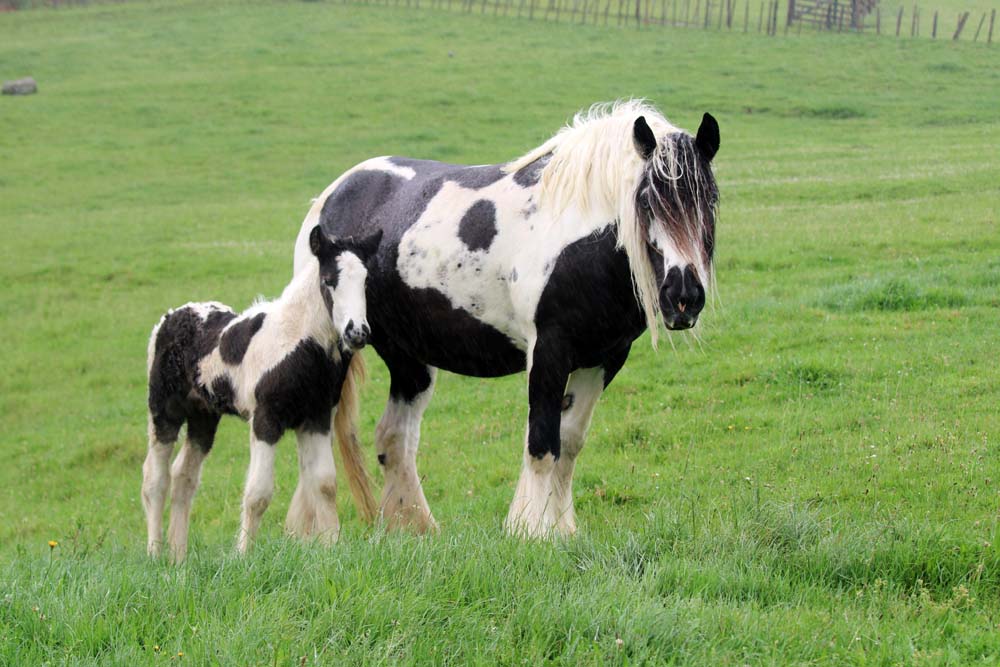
(25, 86)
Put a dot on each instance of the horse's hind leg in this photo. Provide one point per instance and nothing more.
(397, 438)
(156, 481)
(186, 476)
(313, 511)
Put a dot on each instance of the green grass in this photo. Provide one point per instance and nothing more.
(815, 483)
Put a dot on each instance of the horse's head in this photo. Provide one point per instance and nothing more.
(676, 203)
(342, 275)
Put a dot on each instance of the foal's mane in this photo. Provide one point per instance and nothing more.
(595, 167)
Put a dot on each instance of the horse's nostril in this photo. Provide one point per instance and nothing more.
(681, 306)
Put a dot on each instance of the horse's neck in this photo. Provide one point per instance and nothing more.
(300, 310)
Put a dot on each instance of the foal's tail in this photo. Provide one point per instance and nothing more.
(345, 424)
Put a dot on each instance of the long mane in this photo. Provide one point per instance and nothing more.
(594, 166)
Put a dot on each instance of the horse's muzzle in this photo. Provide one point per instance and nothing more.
(356, 337)
(682, 298)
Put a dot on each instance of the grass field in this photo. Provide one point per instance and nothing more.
(815, 483)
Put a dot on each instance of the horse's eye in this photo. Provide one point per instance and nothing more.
(330, 282)
(644, 203)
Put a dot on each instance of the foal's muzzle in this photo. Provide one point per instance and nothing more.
(355, 336)
(682, 297)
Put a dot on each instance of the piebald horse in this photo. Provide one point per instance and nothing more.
(553, 263)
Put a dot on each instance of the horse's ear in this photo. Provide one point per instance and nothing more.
(707, 140)
(645, 140)
(316, 240)
(368, 246)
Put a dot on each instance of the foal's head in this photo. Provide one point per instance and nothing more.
(342, 274)
(676, 201)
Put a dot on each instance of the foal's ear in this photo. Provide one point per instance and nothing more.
(317, 240)
(707, 140)
(368, 246)
(645, 140)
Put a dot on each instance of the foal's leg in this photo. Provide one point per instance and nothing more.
(186, 476)
(314, 506)
(258, 491)
(396, 440)
(156, 483)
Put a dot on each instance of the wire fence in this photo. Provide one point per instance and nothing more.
(770, 17)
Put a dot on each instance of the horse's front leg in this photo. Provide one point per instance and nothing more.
(583, 390)
(313, 511)
(397, 438)
(538, 505)
(258, 491)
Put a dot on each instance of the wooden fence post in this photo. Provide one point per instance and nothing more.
(899, 20)
(961, 24)
(760, 20)
(934, 27)
(979, 27)
(989, 35)
(878, 20)
(746, 15)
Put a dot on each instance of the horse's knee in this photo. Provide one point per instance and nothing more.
(328, 490)
(257, 503)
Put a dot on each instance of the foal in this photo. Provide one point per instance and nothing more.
(279, 365)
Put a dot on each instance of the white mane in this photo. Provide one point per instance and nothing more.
(595, 166)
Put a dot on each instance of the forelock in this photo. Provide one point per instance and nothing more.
(682, 193)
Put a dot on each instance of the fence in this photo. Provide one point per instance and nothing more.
(763, 16)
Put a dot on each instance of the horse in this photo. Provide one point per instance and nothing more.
(553, 263)
(279, 365)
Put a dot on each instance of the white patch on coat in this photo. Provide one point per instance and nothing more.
(667, 248)
(482, 282)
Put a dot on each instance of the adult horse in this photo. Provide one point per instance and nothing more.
(555, 263)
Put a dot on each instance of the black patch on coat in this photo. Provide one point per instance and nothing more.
(223, 396)
(478, 226)
(531, 173)
(211, 328)
(298, 392)
(174, 393)
(235, 341)
(201, 427)
(587, 317)
(418, 325)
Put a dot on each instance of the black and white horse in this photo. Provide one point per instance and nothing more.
(280, 365)
(554, 263)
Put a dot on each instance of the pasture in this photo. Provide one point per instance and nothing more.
(814, 481)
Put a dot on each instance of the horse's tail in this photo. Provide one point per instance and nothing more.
(345, 424)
